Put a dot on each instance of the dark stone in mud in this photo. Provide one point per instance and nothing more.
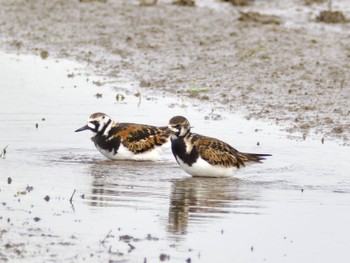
(47, 198)
(310, 2)
(125, 238)
(164, 257)
(329, 16)
(189, 260)
(29, 188)
(240, 2)
(119, 97)
(338, 130)
(9, 180)
(148, 2)
(70, 75)
(185, 2)
(259, 18)
(150, 237)
(44, 54)
(90, 1)
(7, 246)
(17, 44)
(36, 219)
(145, 83)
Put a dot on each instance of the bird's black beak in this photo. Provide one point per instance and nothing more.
(83, 128)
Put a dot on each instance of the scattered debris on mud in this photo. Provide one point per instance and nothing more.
(328, 16)
(3, 153)
(98, 95)
(148, 2)
(240, 2)
(90, 1)
(259, 18)
(25, 191)
(164, 257)
(185, 2)
(310, 2)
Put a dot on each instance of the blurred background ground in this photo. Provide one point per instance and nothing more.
(287, 62)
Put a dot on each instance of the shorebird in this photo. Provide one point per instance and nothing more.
(120, 141)
(199, 155)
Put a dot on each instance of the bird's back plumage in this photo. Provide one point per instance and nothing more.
(214, 151)
(137, 138)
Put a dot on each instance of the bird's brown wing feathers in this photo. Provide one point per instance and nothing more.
(141, 138)
(217, 152)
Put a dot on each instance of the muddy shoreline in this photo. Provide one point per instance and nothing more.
(297, 77)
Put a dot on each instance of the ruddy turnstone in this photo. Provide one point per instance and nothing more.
(199, 155)
(130, 141)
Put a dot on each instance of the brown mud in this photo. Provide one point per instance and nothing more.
(295, 76)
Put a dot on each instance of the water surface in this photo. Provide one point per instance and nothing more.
(295, 207)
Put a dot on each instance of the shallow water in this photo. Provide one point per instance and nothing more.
(295, 207)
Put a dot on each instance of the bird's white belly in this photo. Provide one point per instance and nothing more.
(125, 154)
(203, 169)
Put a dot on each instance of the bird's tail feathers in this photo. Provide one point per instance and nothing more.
(256, 157)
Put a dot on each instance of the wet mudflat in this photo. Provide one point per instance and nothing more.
(292, 208)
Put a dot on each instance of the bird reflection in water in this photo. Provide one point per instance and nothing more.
(104, 190)
(132, 184)
(141, 185)
(196, 199)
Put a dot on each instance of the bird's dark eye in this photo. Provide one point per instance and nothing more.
(103, 117)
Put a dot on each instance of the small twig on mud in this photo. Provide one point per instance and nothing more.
(71, 198)
(107, 236)
(3, 153)
(330, 5)
(138, 94)
(131, 247)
